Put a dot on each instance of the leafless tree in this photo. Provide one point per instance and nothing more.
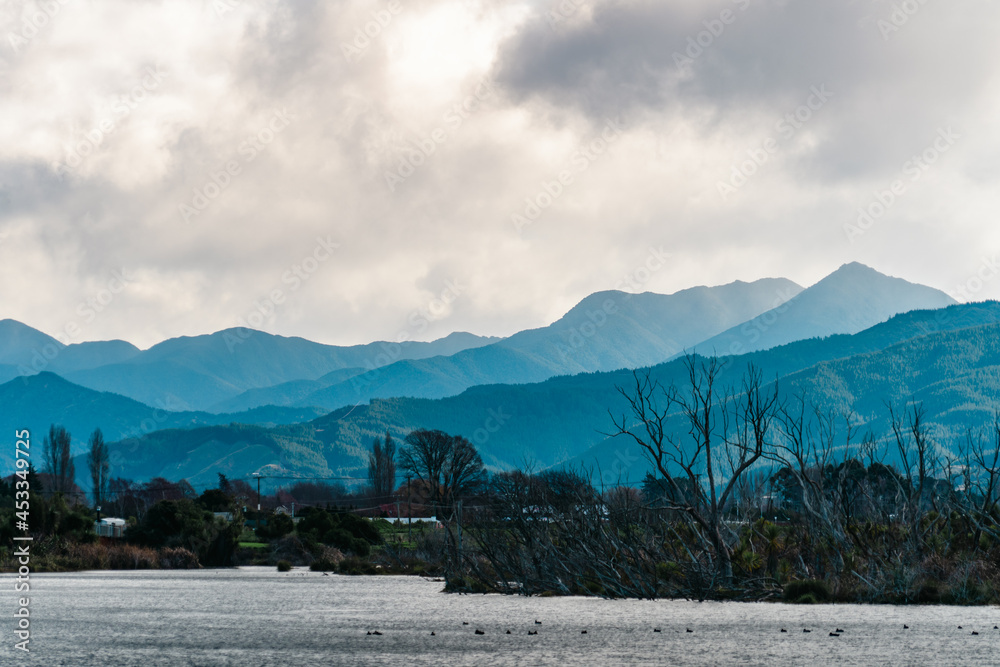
(727, 436)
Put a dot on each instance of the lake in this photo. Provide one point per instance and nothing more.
(258, 616)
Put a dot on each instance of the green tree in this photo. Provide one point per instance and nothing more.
(185, 523)
(278, 525)
(56, 449)
(382, 468)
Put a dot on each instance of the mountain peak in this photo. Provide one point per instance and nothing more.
(849, 300)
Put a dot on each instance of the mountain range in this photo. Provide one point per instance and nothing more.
(949, 360)
(540, 397)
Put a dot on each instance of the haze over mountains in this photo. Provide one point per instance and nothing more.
(540, 395)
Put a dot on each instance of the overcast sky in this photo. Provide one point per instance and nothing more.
(408, 169)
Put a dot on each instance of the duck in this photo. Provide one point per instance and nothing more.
(834, 634)
(532, 632)
(838, 630)
(432, 634)
(783, 630)
(974, 632)
(905, 626)
(479, 632)
(583, 632)
(805, 630)
(689, 630)
(508, 632)
(537, 622)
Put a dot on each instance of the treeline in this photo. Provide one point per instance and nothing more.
(751, 495)
(751, 492)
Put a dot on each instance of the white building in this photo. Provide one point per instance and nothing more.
(110, 527)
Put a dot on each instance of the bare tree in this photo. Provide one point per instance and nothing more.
(99, 465)
(728, 435)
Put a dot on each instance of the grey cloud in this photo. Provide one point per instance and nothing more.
(890, 93)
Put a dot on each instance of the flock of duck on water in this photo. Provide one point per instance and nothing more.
(836, 633)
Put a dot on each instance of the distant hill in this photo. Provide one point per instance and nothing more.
(947, 357)
(286, 393)
(198, 372)
(24, 350)
(851, 299)
(35, 402)
(605, 331)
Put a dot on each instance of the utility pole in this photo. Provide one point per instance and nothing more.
(256, 523)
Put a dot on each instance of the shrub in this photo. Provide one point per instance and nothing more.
(361, 547)
(290, 548)
(284, 566)
(178, 558)
(356, 566)
(278, 525)
(323, 565)
(795, 590)
(929, 593)
(131, 557)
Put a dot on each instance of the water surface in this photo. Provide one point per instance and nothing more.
(257, 616)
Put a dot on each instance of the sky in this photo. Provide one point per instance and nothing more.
(351, 171)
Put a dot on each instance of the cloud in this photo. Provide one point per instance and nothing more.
(413, 135)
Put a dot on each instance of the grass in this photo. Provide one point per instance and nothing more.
(253, 545)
